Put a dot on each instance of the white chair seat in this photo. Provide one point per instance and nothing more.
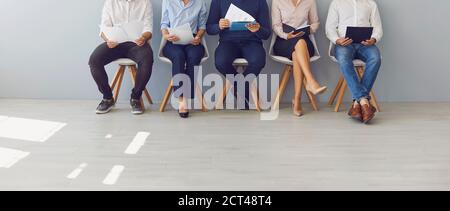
(356, 62)
(240, 62)
(125, 62)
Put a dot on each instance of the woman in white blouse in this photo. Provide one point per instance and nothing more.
(287, 16)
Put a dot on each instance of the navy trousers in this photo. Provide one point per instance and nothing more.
(184, 59)
(252, 51)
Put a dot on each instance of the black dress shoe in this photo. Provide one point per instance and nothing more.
(184, 115)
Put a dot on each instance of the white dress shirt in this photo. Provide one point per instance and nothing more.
(116, 12)
(356, 13)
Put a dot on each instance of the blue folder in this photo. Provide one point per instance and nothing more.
(239, 26)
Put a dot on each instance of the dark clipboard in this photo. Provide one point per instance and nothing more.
(359, 34)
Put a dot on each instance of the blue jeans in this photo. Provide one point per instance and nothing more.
(371, 56)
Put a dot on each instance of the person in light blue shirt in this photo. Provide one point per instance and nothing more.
(184, 57)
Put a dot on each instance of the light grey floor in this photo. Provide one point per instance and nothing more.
(406, 148)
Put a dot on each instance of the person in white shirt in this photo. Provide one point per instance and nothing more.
(356, 13)
(116, 13)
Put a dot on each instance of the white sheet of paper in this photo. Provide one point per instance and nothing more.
(133, 30)
(184, 32)
(128, 32)
(235, 14)
(116, 34)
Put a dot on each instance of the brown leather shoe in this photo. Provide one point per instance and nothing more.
(355, 112)
(368, 113)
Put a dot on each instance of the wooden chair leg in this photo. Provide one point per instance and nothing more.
(117, 77)
(312, 98)
(374, 101)
(149, 98)
(221, 98)
(336, 91)
(146, 93)
(166, 98)
(255, 95)
(118, 84)
(341, 96)
(284, 81)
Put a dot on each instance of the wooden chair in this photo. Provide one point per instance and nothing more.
(341, 87)
(240, 64)
(116, 83)
(288, 71)
(170, 87)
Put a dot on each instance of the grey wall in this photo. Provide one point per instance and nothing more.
(45, 45)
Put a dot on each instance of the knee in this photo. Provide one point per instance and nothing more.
(178, 57)
(301, 44)
(258, 63)
(374, 58)
(344, 57)
(194, 59)
(95, 61)
(222, 64)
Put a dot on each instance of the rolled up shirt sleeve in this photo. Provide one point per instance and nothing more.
(148, 18)
(375, 20)
(106, 16)
(264, 19)
(332, 23)
(277, 23)
(314, 18)
(165, 20)
(203, 17)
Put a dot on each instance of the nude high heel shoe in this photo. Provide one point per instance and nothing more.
(318, 91)
(298, 113)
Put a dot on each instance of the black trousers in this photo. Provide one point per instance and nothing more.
(104, 55)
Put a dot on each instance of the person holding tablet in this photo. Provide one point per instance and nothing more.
(287, 16)
(184, 58)
(116, 13)
(245, 43)
(356, 13)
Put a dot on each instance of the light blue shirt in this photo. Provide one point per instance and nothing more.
(175, 13)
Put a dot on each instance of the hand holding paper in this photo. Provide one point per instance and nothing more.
(184, 33)
(128, 32)
(240, 20)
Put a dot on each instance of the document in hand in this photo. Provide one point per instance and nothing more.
(238, 18)
(128, 32)
(183, 32)
(359, 34)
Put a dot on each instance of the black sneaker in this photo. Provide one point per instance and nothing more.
(136, 107)
(105, 106)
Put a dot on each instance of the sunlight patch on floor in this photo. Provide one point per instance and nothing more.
(28, 129)
(9, 157)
